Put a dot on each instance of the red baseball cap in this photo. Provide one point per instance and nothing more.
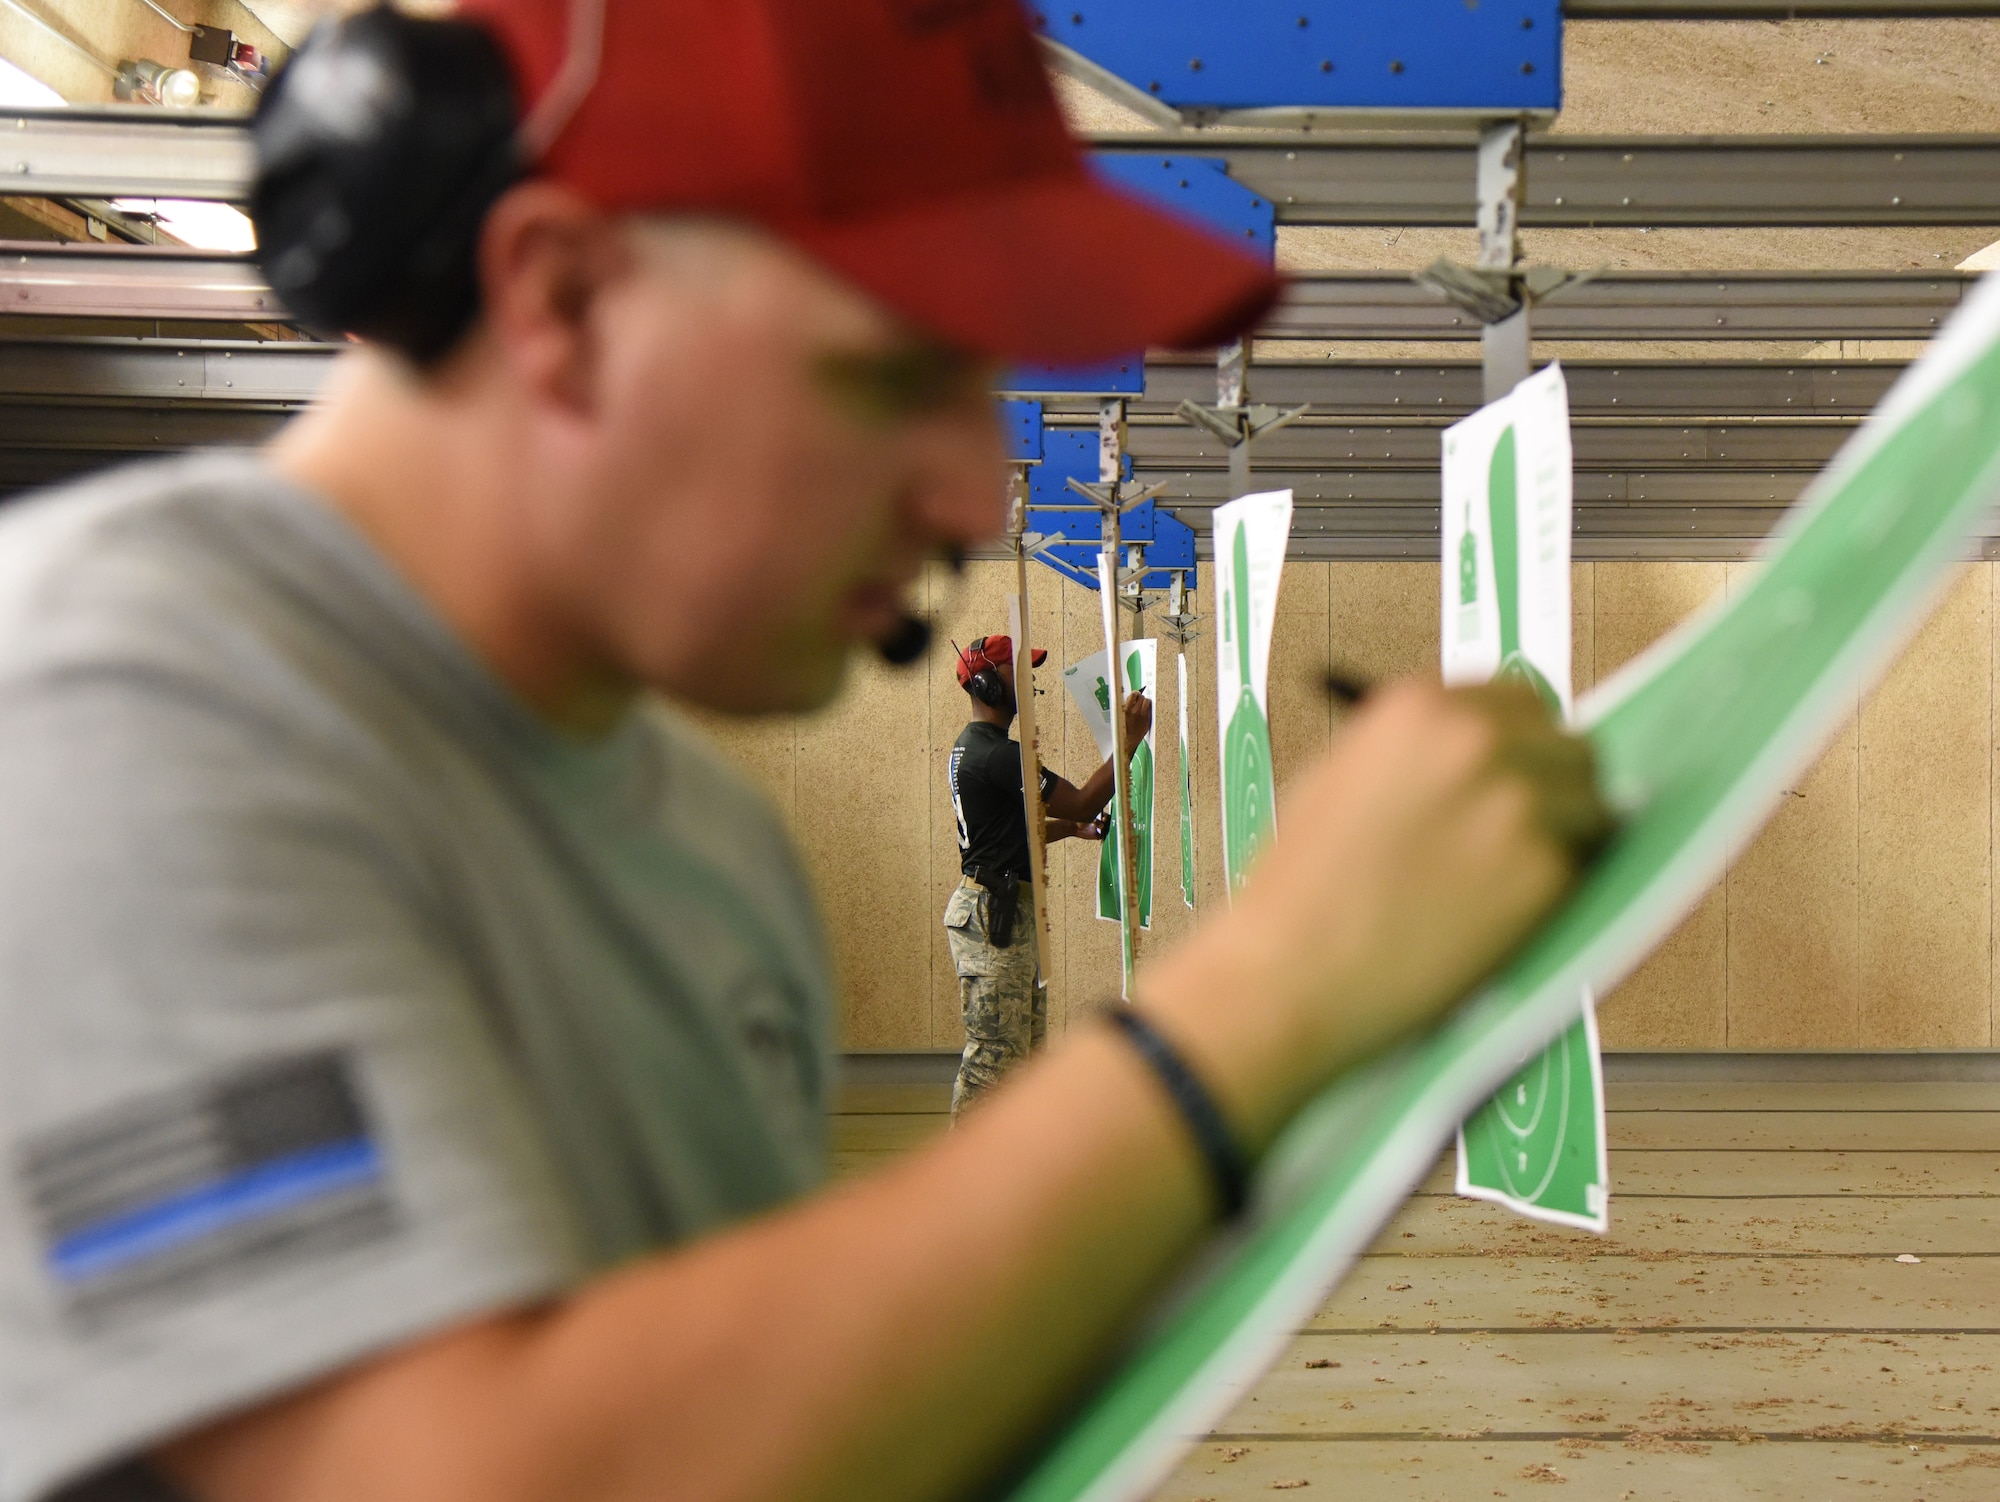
(991, 652)
(913, 146)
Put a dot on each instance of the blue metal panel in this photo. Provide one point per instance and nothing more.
(1021, 430)
(1125, 377)
(1193, 186)
(1138, 523)
(1173, 548)
(1200, 188)
(1494, 55)
(1169, 544)
(1068, 454)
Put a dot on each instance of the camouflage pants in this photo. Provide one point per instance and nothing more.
(1005, 1004)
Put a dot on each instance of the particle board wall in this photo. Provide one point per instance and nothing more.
(1791, 908)
(1863, 916)
(1679, 997)
(1925, 835)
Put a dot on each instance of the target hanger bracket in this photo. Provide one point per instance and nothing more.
(1107, 496)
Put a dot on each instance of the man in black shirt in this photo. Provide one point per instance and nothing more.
(1004, 1002)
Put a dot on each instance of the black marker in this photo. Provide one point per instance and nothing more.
(1345, 689)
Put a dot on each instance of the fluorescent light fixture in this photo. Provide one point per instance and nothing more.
(206, 226)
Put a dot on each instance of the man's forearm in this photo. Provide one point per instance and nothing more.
(1095, 792)
(907, 1363)
(1084, 802)
(902, 1335)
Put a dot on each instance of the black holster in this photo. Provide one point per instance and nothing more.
(1000, 904)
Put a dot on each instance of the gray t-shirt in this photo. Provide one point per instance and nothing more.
(340, 998)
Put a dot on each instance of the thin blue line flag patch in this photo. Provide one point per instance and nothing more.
(257, 1168)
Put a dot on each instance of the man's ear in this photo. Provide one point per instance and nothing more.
(545, 256)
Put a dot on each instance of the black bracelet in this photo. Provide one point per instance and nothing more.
(1226, 1169)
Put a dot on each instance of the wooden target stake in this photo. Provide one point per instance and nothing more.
(1024, 696)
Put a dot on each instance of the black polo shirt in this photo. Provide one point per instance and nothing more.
(985, 776)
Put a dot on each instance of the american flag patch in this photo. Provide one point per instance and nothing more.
(256, 1168)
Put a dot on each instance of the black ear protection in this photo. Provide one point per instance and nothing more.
(379, 150)
(986, 685)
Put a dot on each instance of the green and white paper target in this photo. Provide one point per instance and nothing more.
(1506, 526)
(1537, 1146)
(1250, 538)
(1089, 684)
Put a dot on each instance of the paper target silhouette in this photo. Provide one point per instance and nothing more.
(1141, 779)
(1536, 1146)
(1502, 498)
(1505, 523)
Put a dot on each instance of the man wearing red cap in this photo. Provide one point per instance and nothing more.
(1002, 997)
(414, 1042)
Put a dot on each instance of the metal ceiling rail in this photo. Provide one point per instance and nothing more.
(94, 281)
(1380, 512)
(130, 152)
(1323, 178)
(115, 371)
(1692, 391)
(1768, 443)
(1653, 480)
(1313, 458)
(1377, 523)
(1634, 492)
(1790, 305)
(1312, 177)
(1386, 528)
(1364, 520)
(1449, 389)
(1369, 544)
(99, 435)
